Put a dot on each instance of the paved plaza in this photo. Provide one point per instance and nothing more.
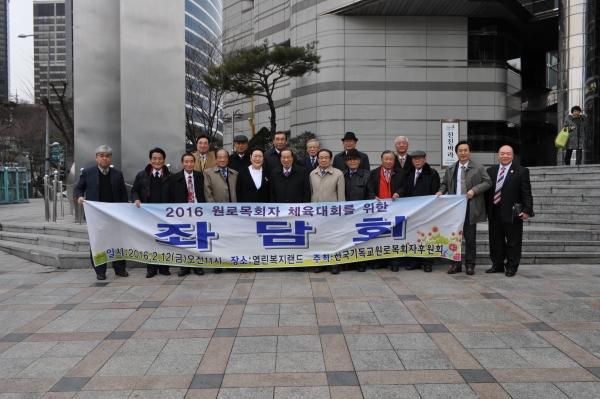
(293, 334)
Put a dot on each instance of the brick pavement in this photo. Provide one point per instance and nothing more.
(298, 335)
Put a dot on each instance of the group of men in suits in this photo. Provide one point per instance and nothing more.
(322, 177)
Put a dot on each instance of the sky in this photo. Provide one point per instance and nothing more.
(21, 50)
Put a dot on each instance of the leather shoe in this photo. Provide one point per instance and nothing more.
(218, 271)
(150, 275)
(510, 273)
(245, 270)
(413, 266)
(495, 269)
(300, 269)
(427, 269)
(199, 272)
(395, 268)
(455, 269)
(165, 273)
(101, 276)
(362, 269)
(182, 273)
(122, 274)
(317, 270)
(470, 271)
(335, 270)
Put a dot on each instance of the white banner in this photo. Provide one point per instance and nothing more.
(276, 235)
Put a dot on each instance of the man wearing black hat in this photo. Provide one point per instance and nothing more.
(240, 159)
(421, 180)
(349, 141)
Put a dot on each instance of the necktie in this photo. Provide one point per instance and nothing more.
(499, 183)
(202, 162)
(104, 172)
(351, 174)
(224, 173)
(190, 190)
(323, 172)
(312, 162)
(402, 161)
(417, 174)
(286, 173)
(156, 175)
(387, 175)
(463, 183)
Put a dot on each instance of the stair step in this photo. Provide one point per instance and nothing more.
(549, 258)
(76, 231)
(548, 246)
(546, 198)
(581, 224)
(550, 233)
(564, 170)
(567, 190)
(590, 215)
(59, 258)
(46, 240)
(578, 207)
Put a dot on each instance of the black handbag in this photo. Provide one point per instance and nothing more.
(517, 209)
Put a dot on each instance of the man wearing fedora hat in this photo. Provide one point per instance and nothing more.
(350, 141)
(240, 158)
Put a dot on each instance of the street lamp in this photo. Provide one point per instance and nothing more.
(237, 114)
(47, 163)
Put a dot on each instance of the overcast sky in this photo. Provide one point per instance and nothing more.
(21, 50)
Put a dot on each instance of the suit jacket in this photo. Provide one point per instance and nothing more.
(89, 185)
(246, 190)
(236, 163)
(210, 161)
(328, 188)
(476, 179)
(178, 191)
(272, 161)
(338, 161)
(515, 189)
(428, 182)
(291, 189)
(407, 163)
(216, 188)
(360, 187)
(305, 163)
(397, 182)
(141, 184)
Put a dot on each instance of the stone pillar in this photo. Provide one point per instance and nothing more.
(579, 68)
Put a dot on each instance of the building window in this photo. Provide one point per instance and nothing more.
(60, 9)
(552, 70)
(490, 136)
(491, 41)
(44, 10)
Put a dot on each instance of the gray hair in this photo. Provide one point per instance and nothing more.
(400, 137)
(311, 141)
(104, 149)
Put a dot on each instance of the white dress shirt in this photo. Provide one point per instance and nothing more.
(458, 176)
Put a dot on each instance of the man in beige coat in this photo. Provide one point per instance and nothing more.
(467, 178)
(204, 159)
(220, 181)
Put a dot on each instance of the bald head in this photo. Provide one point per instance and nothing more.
(505, 155)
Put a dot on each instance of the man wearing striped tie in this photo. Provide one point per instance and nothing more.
(510, 186)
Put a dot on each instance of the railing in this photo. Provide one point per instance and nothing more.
(53, 190)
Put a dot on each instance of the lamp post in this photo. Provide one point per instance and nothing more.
(47, 163)
(237, 114)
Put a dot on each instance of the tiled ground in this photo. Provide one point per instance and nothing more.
(298, 335)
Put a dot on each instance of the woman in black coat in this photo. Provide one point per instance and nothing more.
(252, 182)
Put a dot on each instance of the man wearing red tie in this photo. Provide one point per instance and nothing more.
(187, 186)
(511, 185)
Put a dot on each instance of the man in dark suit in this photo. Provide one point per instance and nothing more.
(310, 162)
(421, 180)
(272, 155)
(289, 183)
(339, 161)
(104, 184)
(148, 187)
(510, 186)
(403, 159)
(187, 186)
(240, 159)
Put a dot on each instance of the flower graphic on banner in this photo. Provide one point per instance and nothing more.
(451, 245)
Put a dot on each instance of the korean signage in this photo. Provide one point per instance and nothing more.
(276, 235)
(450, 137)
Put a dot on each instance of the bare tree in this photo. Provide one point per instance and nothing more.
(61, 111)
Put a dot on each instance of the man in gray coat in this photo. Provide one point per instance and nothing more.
(467, 178)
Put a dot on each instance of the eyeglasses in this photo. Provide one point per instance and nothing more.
(324, 158)
(104, 155)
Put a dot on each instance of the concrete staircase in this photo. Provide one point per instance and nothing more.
(566, 228)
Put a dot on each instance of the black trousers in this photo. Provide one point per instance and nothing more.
(118, 266)
(469, 241)
(578, 156)
(153, 269)
(506, 241)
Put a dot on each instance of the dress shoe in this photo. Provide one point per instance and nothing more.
(150, 275)
(362, 269)
(470, 271)
(510, 273)
(377, 266)
(218, 271)
(122, 274)
(495, 269)
(413, 266)
(245, 270)
(335, 270)
(317, 269)
(182, 273)
(300, 269)
(101, 276)
(427, 269)
(455, 269)
(165, 273)
(395, 268)
(199, 272)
